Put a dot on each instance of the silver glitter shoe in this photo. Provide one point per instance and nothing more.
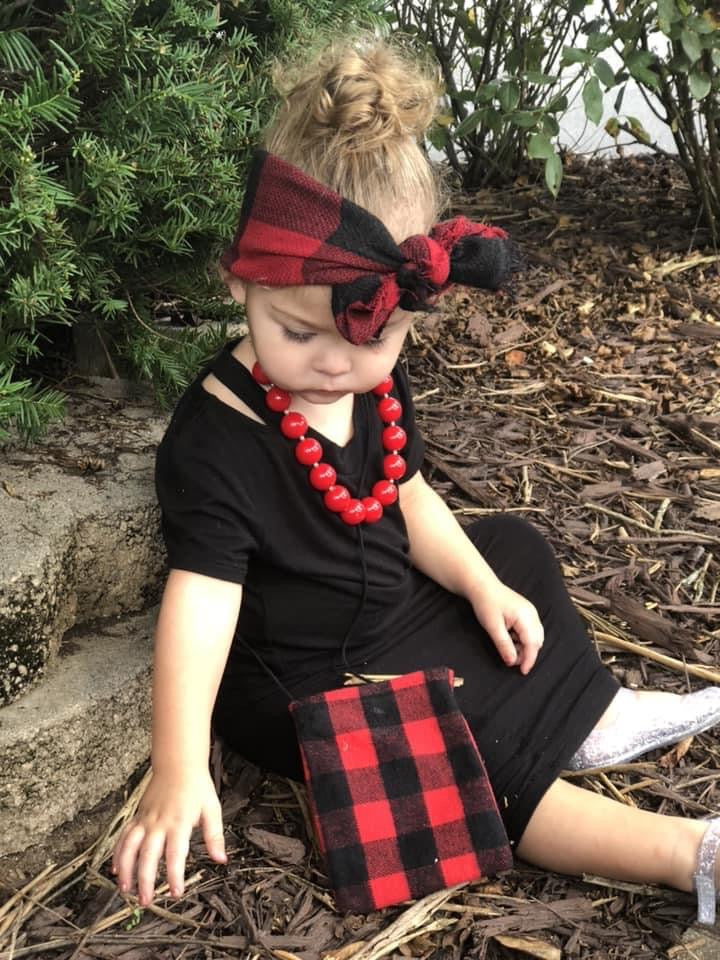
(640, 728)
(704, 878)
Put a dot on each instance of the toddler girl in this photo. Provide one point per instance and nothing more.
(304, 543)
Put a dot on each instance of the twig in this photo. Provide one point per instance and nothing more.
(694, 669)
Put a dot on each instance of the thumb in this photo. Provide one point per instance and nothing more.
(213, 835)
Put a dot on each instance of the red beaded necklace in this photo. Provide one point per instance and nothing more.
(322, 476)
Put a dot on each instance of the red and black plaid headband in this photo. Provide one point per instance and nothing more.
(295, 231)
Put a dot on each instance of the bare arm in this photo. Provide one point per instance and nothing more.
(442, 551)
(195, 628)
(438, 545)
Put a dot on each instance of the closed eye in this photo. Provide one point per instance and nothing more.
(297, 337)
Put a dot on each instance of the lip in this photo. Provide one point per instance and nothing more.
(322, 396)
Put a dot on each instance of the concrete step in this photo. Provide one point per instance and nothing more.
(79, 734)
(80, 558)
(80, 530)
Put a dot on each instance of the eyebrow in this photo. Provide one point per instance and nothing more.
(296, 319)
(389, 323)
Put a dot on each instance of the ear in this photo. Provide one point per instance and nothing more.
(237, 287)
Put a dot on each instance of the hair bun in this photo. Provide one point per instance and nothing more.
(351, 116)
(361, 95)
(366, 97)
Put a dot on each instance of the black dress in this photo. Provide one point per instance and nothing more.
(320, 597)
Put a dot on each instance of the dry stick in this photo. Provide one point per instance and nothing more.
(408, 925)
(47, 883)
(689, 534)
(613, 790)
(695, 670)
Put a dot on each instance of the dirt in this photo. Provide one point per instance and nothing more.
(588, 401)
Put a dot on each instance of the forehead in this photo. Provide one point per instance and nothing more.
(310, 299)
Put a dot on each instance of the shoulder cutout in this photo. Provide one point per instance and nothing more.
(212, 385)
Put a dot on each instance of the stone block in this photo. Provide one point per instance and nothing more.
(80, 734)
(80, 532)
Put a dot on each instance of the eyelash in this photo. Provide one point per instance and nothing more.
(306, 337)
(297, 337)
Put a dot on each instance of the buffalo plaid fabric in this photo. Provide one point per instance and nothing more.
(295, 231)
(399, 795)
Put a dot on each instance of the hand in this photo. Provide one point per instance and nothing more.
(165, 818)
(512, 623)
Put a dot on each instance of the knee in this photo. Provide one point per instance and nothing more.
(511, 534)
(518, 553)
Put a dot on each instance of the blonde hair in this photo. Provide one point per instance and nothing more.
(352, 117)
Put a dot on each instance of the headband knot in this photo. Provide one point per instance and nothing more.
(295, 231)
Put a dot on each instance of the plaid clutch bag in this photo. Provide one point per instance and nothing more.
(400, 799)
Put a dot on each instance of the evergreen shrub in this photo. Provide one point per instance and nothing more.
(125, 128)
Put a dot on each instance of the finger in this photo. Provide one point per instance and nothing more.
(530, 637)
(212, 830)
(126, 855)
(500, 636)
(176, 851)
(148, 860)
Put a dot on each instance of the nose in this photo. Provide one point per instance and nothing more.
(332, 361)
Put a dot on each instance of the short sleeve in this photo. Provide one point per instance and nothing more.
(414, 451)
(207, 516)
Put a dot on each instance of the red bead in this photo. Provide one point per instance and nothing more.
(385, 491)
(277, 399)
(385, 386)
(308, 451)
(294, 425)
(337, 498)
(354, 513)
(373, 509)
(394, 466)
(389, 409)
(322, 476)
(394, 438)
(259, 374)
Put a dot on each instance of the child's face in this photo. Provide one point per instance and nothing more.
(301, 350)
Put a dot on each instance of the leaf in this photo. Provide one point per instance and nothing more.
(558, 104)
(470, 124)
(535, 76)
(638, 130)
(593, 100)
(550, 126)
(540, 147)
(277, 846)
(575, 55)
(604, 72)
(515, 358)
(667, 13)
(612, 127)
(509, 95)
(691, 44)
(639, 63)
(619, 98)
(530, 946)
(598, 41)
(438, 137)
(699, 83)
(553, 173)
(523, 118)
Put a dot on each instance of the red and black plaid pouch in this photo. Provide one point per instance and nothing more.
(400, 799)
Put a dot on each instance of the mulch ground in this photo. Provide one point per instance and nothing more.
(588, 401)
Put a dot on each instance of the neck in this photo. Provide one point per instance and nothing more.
(333, 420)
